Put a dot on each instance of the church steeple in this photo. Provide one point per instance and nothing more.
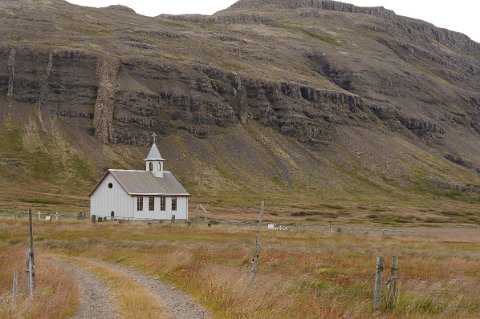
(154, 161)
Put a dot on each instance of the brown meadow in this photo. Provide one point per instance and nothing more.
(301, 274)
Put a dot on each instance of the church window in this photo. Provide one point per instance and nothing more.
(110, 185)
(150, 166)
(162, 203)
(151, 204)
(174, 204)
(139, 204)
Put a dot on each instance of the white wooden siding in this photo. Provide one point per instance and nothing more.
(106, 200)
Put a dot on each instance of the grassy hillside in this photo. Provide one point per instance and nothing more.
(59, 179)
(327, 112)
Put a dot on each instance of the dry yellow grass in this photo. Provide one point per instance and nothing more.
(301, 274)
(55, 296)
(132, 300)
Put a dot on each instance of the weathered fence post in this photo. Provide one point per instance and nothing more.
(30, 261)
(32, 254)
(377, 292)
(28, 274)
(14, 288)
(256, 251)
(392, 283)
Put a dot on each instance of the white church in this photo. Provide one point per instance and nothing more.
(153, 194)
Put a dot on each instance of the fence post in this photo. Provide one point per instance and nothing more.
(32, 254)
(14, 288)
(28, 274)
(392, 283)
(377, 292)
(256, 251)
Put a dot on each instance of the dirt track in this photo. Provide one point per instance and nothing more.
(97, 302)
(177, 303)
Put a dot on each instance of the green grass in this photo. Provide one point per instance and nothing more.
(321, 36)
(11, 143)
(233, 66)
(44, 166)
(83, 169)
(36, 199)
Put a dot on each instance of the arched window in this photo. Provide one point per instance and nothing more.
(150, 166)
(159, 166)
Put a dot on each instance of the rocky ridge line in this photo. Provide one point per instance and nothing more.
(444, 36)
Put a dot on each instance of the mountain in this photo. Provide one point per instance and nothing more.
(302, 103)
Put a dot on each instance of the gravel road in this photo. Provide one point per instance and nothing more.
(177, 303)
(95, 298)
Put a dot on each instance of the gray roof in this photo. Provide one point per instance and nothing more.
(154, 154)
(145, 183)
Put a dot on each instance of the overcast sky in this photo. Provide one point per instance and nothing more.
(459, 15)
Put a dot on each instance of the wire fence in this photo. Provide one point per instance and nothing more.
(286, 227)
(45, 216)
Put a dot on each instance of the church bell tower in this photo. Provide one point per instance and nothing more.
(154, 161)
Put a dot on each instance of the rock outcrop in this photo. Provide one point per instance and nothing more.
(324, 95)
(107, 70)
(11, 75)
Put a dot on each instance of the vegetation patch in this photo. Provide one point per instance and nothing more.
(321, 36)
(233, 66)
(37, 199)
(388, 219)
(56, 294)
(314, 213)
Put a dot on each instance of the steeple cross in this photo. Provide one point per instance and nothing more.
(154, 135)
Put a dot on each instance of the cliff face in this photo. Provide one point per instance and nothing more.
(196, 99)
(322, 97)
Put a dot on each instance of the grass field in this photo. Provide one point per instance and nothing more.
(301, 274)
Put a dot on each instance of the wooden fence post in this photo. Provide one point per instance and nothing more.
(256, 251)
(392, 283)
(32, 254)
(14, 288)
(377, 292)
(28, 274)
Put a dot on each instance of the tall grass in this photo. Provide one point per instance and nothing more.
(301, 275)
(55, 296)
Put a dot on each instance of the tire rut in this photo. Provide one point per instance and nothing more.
(177, 304)
(95, 298)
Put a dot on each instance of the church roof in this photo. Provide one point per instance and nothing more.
(154, 154)
(144, 183)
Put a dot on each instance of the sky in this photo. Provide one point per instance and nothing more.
(459, 15)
